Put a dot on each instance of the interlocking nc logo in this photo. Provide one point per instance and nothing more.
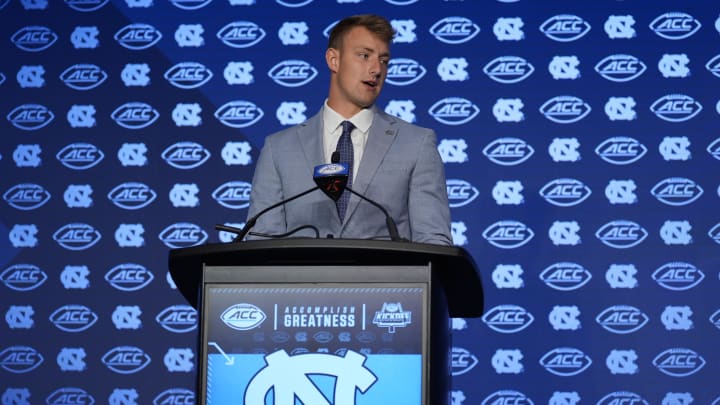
(293, 33)
(622, 319)
(565, 276)
(622, 362)
(508, 69)
(20, 317)
(674, 65)
(23, 277)
(676, 233)
(565, 28)
(508, 192)
(189, 35)
(403, 109)
(126, 359)
(564, 67)
(458, 229)
(291, 112)
(677, 317)
(621, 192)
(179, 360)
(239, 114)
(81, 116)
(679, 362)
(77, 236)
(135, 115)
(243, 317)
(506, 397)
(506, 361)
(620, 68)
(403, 71)
(135, 74)
(565, 192)
(20, 359)
(454, 111)
(462, 361)
(565, 109)
(122, 396)
(404, 31)
(73, 318)
(675, 148)
(85, 37)
(621, 234)
(454, 30)
(31, 76)
(564, 150)
(508, 318)
(175, 396)
(137, 36)
(30, 117)
(132, 195)
(509, 29)
(241, 34)
(86, 5)
(620, 27)
(508, 234)
(178, 318)
(565, 398)
(675, 26)
(453, 150)
(678, 276)
(187, 115)
(188, 75)
(677, 191)
(564, 317)
(508, 110)
(238, 73)
(28, 4)
(233, 194)
(621, 150)
(508, 151)
(622, 276)
(185, 195)
(680, 398)
(23, 235)
(75, 277)
(83, 76)
(291, 378)
(292, 73)
(185, 155)
(460, 192)
(80, 156)
(70, 396)
(132, 154)
(182, 234)
(564, 233)
(130, 235)
(26, 196)
(129, 277)
(190, 4)
(34, 38)
(621, 109)
(565, 361)
(453, 69)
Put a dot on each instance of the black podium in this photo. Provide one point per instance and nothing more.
(326, 321)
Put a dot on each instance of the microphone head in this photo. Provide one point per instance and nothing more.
(332, 179)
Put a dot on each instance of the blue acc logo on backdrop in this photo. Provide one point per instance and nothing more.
(26, 196)
(508, 151)
(678, 276)
(185, 155)
(620, 68)
(241, 34)
(132, 195)
(80, 156)
(30, 117)
(508, 69)
(178, 318)
(188, 75)
(129, 277)
(404, 72)
(565, 192)
(679, 362)
(126, 359)
(621, 234)
(233, 194)
(565, 276)
(23, 277)
(135, 115)
(460, 192)
(86, 5)
(239, 114)
(83, 76)
(675, 26)
(565, 109)
(20, 359)
(677, 191)
(138, 36)
(565, 361)
(508, 318)
(175, 396)
(70, 396)
(34, 38)
(622, 319)
(182, 234)
(73, 318)
(454, 111)
(77, 236)
(565, 28)
(292, 73)
(508, 234)
(676, 108)
(621, 150)
(454, 30)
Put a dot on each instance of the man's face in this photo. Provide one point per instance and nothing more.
(360, 66)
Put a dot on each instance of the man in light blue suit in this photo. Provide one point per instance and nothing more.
(391, 161)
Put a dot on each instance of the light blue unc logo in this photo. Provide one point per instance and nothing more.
(241, 34)
(34, 38)
(565, 28)
(404, 72)
(31, 76)
(292, 73)
(138, 36)
(27, 155)
(620, 27)
(86, 5)
(80, 156)
(454, 30)
(83, 76)
(620, 68)
(30, 117)
(508, 234)
(135, 115)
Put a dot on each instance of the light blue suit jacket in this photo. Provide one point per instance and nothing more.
(400, 169)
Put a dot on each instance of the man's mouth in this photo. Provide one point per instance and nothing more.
(371, 83)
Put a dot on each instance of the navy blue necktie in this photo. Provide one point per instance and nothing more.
(347, 155)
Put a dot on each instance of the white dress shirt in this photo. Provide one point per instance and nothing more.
(332, 129)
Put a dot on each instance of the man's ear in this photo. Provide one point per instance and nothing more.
(332, 56)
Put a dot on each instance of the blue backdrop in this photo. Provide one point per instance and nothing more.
(582, 155)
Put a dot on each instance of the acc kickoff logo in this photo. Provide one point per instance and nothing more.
(26, 196)
(23, 277)
(678, 276)
(621, 234)
(565, 192)
(565, 109)
(241, 34)
(565, 361)
(454, 30)
(677, 191)
(129, 277)
(138, 36)
(239, 114)
(30, 117)
(34, 38)
(454, 111)
(182, 234)
(185, 155)
(508, 234)
(675, 26)
(403, 72)
(135, 115)
(621, 150)
(188, 75)
(508, 318)
(243, 316)
(565, 276)
(83, 76)
(620, 68)
(132, 195)
(565, 28)
(292, 73)
(508, 69)
(676, 108)
(126, 359)
(392, 316)
(77, 236)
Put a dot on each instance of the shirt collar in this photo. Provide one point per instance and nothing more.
(362, 120)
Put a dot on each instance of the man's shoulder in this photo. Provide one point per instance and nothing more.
(403, 126)
(289, 131)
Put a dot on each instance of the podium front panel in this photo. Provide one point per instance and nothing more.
(354, 337)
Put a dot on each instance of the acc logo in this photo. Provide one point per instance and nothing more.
(129, 277)
(508, 151)
(714, 233)
(622, 397)
(188, 75)
(233, 194)
(403, 72)
(83, 76)
(508, 69)
(565, 192)
(454, 111)
(135, 115)
(34, 38)
(621, 234)
(243, 316)
(679, 362)
(190, 4)
(137, 36)
(175, 396)
(126, 359)
(677, 191)
(26, 196)
(565, 276)
(30, 117)
(678, 276)
(178, 318)
(73, 318)
(23, 277)
(565, 27)
(80, 156)
(506, 397)
(565, 109)
(70, 396)
(508, 318)
(508, 234)
(182, 234)
(292, 73)
(460, 192)
(622, 319)
(675, 25)
(620, 68)
(676, 107)
(714, 148)
(132, 195)
(462, 361)
(454, 30)
(20, 359)
(621, 150)
(713, 65)
(86, 5)
(185, 155)
(565, 361)
(241, 34)
(239, 114)
(77, 236)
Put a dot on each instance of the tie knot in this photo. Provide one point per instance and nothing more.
(347, 127)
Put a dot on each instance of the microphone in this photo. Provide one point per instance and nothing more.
(332, 180)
